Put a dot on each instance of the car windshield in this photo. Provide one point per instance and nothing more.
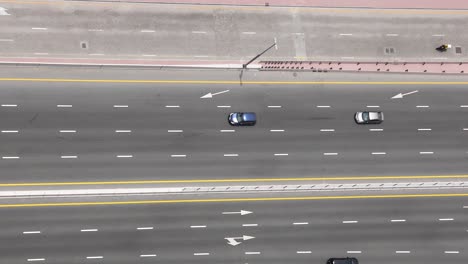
(365, 116)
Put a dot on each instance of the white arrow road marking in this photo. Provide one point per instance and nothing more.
(210, 95)
(400, 95)
(241, 212)
(3, 11)
(233, 240)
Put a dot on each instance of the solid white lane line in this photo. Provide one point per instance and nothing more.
(145, 228)
(124, 156)
(465, 129)
(6, 40)
(276, 130)
(147, 31)
(9, 105)
(10, 157)
(199, 32)
(274, 106)
(175, 131)
(379, 153)
(67, 131)
(252, 253)
(397, 220)
(31, 232)
(178, 156)
(123, 131)
(95, 30)
(323, 106)
(463, 106)
(68, 157)
(304, 252)
(201, 254)
(120, 106)
(230, 155)
(249, 33)
(422, 106)
(451, 252)
(327, 130)
(438, 35)
(149, 55)
(198, 226)
(281, 154)
(426, 152)
(89, 230)
(39, 28)
(36, 259)
(201, 56)
(246, 225)
(301, 223)
(41, 53)
(64, 105)
(375, 129)
(346, 34)
(402, 251)
(424, 129)
(147, 255)
(330, 153)
(96, 54)
(227, 130)
(373, 106)
(172, 106)
(392, 35)
(224, 106)
(350, 222)
(9, 131)
(445, 219)
(465, 207)
(94, 257)
(354, 252)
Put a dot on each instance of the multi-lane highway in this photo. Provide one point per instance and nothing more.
(406, 231)
(114, 127)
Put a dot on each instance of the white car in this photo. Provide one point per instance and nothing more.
(369, 117)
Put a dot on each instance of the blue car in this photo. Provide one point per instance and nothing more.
(242, 119)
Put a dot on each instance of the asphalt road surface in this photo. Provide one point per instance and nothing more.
(405, 231)
(111, 130)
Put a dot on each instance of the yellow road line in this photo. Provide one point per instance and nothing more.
(228, 200)
(236, 180)
(226, 82)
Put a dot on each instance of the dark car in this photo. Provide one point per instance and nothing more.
(369, 117)
(342, 261)
(242, 119)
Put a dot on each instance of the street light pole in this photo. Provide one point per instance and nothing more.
(244, 66)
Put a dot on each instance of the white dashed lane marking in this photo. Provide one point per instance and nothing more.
(330, 153)
(64, 106)
(38, 28)
(96, 54)
(249, 225)
(276, 130)
(249, 33)
(323, 106)
(397, 220)
(463, 106)
(227, 130)
(281, 154)
(175, 131)
(10, 157)
(178, 156)
(445, 219)
(147, 31)
(36, 259)
(199, 32)
(41, 53)
(198, 226)
(95, 257)
(354, 252)
(426, 152)
(201, 254)
(95, 30)
(9, 105)
(224, 106)
(422, 106)
(379, 153)
(120, 106)
(424, 129)
(172, 106)
(124, 156)
(89, 230)
(391, 35)
(346, 34)
(147, 255)
(230, 155)
(376, 129)
(67, 131)
(304, 252)
(350, 222)
(252, 253)
(123, 131)
(373, 106)
(402, 251)
(274, 106)
(327, 130)
(31, 232)
(9, 131)
(451, 252)
(68, 157)
(301, 223)
(6, 40)
(145, 228)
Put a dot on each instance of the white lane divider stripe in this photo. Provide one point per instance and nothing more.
(230, 155)
(96, 54)
(402, 251)
(41, 53)
(224, 106)
(249, 33)
(6, 40)
(39, 28)
(373, 106)
(123, 131)
(89, 230)
(94, 257)
(199, 32)
(31, 232)
(252, 253)
(198, 226)
(350, 222)
(124, 156)
(375, 129)
(301, 223)
(9, 105)
(304, 252)
(147, 31)
(354, 252)
(327, 130)
(10, 157)
(451, 252)
(426, 152)
(330, 153)
(424, 129)
(175, 131)
(227, 130)
(379, 153)
(346, 34)
(465, 129)
(95, 30)
(36, 259)
(397, 220)
(172, 106)
(281, 154)
(9, 131)
(64, 106)
(120, 106)
(68, 157)
(323, 106)
(247, 225)
(201, 254)
(276, 130)
(147, 255)
(145, 228)
(392, 35)
(274, 106)
(67, 131)
(422, 106)
(463, 106)
(178, 156)
(445, 219)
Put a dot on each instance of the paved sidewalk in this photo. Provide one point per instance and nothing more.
(411, 4)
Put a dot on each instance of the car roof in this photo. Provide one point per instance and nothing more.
(249, 116)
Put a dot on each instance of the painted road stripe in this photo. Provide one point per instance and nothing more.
(426, 152)
(96, 54)
(31, 232)
(327, 130)
(249, 33)
(147, 255)
(323, 106)
(123, 131)
(10, 157)
(397, 220)
(438, 35)
(301, 223)
(94, 257)
(465, 129)
(402, 251)
(445, 219)
(304, 252)
(247, 225)
(330, 153)
(68, 157)
(252, 253)
(451, 252)
(201, 254)
(89, 230)
(422, 106)
(67, 131)
(350, 222)
(124, 156)
(199, 32)
(147, 31)
(463, 106)
(95, 30)
(198, 226)
(281, 154)
(178, 156)
(424, 129)
(353, 252)
(274, 106)
(224, 106)
(64, 106)
(9, 105)
(346, 34)
(376, 129)
(36, 259)
(9, 131)
(149, 55)
(120, 106)
(230, 155)
(172, 106)
(372, 106)
(175, 131)
(347, 58)
(391, 35)
(227, 130)
(6, 40)
(379, 153)
(276, 130)
(41, 53)
(145, 228)
(39, 28)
